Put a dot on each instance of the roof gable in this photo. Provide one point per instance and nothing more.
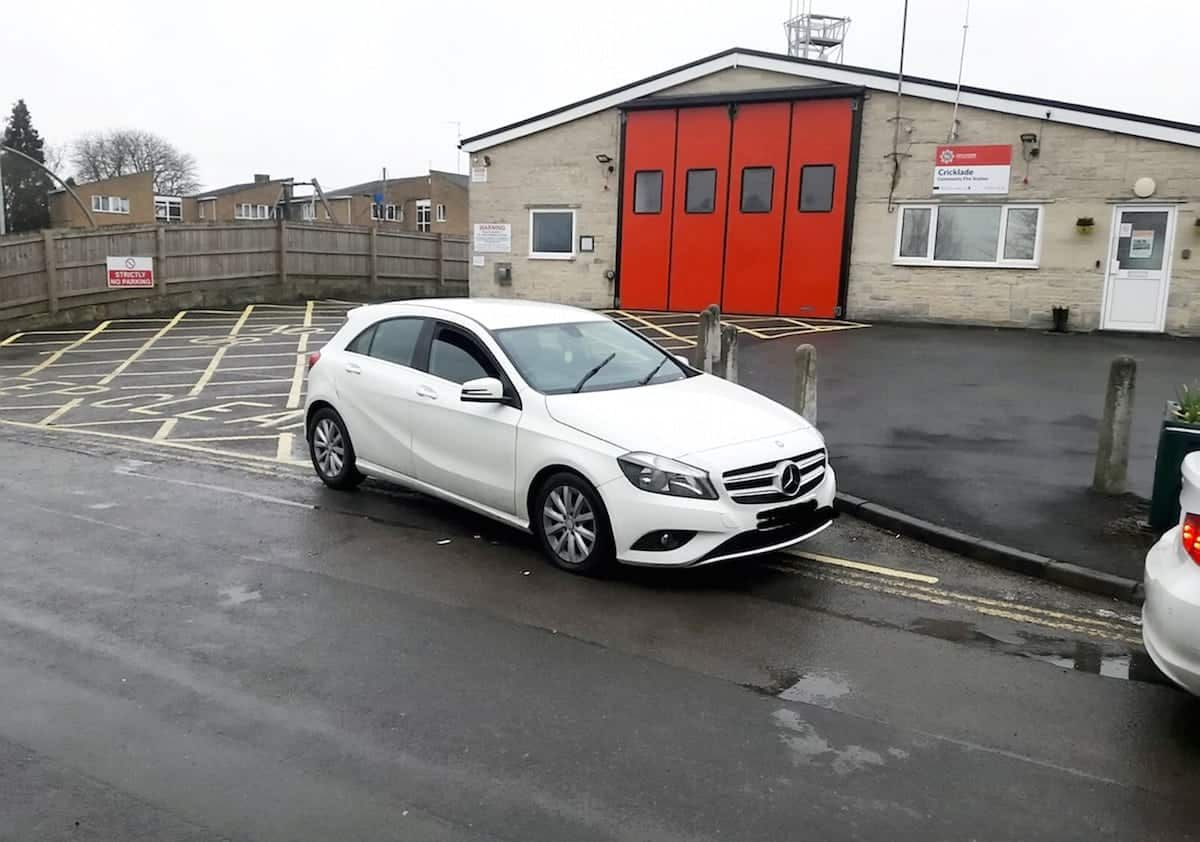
(1054, 111)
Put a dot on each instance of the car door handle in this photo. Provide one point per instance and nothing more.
(427, 392)
(353, 368)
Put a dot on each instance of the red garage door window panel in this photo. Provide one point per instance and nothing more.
(812, 250)
(752, 237)
(646, 237)
(699, 235)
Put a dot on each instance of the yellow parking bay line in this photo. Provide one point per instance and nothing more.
(199, 385)
(53, 358)
(293, 400)
(890, 572)
(11, 339)
(60, 412)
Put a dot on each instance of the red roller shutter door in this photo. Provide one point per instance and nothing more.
(698, 239)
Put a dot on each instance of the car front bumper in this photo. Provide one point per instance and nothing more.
(724, 529)
(1171, 612)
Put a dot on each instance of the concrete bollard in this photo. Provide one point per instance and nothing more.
(1112, 454)
(804, 397)
(727, 366)
(708, 339)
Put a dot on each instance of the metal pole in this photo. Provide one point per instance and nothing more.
(52, 174)
(950, 138)
(3, 227)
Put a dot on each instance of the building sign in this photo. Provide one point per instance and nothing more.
(495, 237)
(479, 175)
(1141, 243)
(123, 272)
(972, 169)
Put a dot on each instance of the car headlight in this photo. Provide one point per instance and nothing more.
(660, 475)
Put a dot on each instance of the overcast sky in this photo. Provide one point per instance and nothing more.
(338, 90)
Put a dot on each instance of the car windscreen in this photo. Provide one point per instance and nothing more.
(555, 359)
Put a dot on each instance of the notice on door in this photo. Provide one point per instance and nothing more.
(972, 169)
(1141, 243)
(493, 237)
(130, 272)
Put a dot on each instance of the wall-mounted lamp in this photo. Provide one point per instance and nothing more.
(487, 160)
(1029, 145)
(604, 159)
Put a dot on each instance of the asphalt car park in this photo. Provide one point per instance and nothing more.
(677, 331)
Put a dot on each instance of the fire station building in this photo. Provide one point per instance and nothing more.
(774, 185)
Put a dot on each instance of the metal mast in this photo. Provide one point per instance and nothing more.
(813, 36)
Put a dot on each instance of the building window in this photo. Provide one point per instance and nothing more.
(391, 213)
(552, 234)
(816, 188)
(423, 211)
(701, 191)
(307, 212)
(757, 186)
(647, 191)
(969, 235)
(440, 211)
(246, 210)
(168, 209)
(110, 204)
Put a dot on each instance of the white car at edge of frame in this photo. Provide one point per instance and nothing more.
(1171, 612)
(562, 422)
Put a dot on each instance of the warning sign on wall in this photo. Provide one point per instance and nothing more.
(494, 237)
(972, 169)
(124, 272)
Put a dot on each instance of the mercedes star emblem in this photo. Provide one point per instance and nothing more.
(789, 479)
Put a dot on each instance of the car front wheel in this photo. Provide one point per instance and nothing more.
(331, 451)
(572, 525)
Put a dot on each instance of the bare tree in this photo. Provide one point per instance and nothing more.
(126, 151)
(56, 157)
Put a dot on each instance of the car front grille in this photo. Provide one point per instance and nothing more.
(756, 484)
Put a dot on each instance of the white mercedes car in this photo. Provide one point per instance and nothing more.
(1171, 612)
(561, 422)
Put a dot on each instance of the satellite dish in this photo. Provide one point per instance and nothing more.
(1143, 188)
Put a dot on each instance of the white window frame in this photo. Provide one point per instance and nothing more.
(440, 212)
(243, 210)
(999, 263)
(424, 215)
(375, 210)
(389, 213)
(553, 255)
(110, 204)
(168, 203)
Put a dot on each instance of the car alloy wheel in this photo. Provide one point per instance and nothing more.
(329, 448)
(569, 524)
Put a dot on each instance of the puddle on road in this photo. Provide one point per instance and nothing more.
(816, 689)
(809, 748)
(1109, 661)
(238, 595)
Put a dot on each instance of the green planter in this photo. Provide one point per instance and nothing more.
(1175, 441)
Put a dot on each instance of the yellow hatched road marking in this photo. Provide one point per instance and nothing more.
(653, 326)
(293, 400)
(283, 450)
(165, 429)
(60, 412)
(11, 339)
(199, 385)
(53, 358)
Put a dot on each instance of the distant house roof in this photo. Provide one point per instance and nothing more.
(236, 188)
(1171, 131)
(368, 188)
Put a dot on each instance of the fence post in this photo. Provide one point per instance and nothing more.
(283, 252)
(804, 396)
(1112, 454)
(160, 259)
(708, 338)
(51, 261)
(373, 281)
(729, 353)
(441, 258)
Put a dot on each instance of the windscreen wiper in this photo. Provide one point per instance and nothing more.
(593, 370)
(650, 376)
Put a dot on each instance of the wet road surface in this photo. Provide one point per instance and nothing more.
(191, 649)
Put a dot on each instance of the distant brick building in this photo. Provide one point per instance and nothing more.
(123, 200)
(434, 203)
(774, 185)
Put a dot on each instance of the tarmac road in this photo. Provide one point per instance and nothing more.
(194, 650)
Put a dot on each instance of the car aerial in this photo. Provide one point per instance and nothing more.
(1171, 612)
(562, 422)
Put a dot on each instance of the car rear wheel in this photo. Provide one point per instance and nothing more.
(331, 451)
(572, 525)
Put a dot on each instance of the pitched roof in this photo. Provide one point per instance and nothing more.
(368, 188)
(235, 188)
(1172, 131)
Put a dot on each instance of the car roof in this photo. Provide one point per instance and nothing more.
(491, 313)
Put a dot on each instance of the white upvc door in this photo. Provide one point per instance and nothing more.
(1139, 268)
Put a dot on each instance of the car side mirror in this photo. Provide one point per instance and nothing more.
(483, 390)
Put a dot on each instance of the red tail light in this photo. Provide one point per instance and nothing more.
(1191, 536)
(312, 359)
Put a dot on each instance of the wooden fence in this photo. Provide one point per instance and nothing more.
(48, 275)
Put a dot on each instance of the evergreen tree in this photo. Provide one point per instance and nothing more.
(26, 205)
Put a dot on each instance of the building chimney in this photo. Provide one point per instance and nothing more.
(261, 178)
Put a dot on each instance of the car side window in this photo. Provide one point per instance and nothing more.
(456, 357)
(361, 344)
(395, 340)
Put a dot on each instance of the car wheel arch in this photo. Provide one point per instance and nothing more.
(545, 473)
(313, 408)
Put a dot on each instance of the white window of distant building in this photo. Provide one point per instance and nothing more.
(307, 212)
(263, 212)
(168, 209)
(552, 233)
(969, 235)
(110, 204)
(243, 211)
(389, 213)
(374, 210)
(423, 210)
(202, 208)
(440, 212)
